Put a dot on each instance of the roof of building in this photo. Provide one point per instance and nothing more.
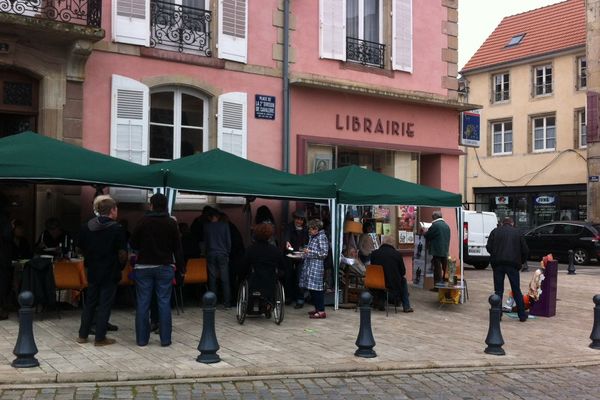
(544, 30)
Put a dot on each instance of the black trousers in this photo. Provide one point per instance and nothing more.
(439, 268)
(292, 277)
(99, 301)
(515, 285)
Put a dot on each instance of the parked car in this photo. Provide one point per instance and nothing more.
(561, 236)
(477, 226)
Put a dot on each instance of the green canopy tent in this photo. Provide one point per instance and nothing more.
(36, 158)
(219, 172)
(359, 186)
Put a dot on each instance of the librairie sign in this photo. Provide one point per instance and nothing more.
(374, 125)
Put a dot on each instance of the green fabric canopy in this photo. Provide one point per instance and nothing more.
(219, 172)
(359, 186)
(29, 156)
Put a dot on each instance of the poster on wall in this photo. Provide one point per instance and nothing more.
(421, 262)
(470, 129)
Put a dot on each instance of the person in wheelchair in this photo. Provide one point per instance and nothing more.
(262, 265)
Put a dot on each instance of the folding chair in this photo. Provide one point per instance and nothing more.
(196, 273)
(375, 279)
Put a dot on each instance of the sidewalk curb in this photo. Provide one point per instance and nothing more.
(32, 379)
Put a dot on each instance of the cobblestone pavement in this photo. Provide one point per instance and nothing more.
(556, 383)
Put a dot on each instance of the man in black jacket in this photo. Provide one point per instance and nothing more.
(508, 251)
(104, 247)
(394, 272)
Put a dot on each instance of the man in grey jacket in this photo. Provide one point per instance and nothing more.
(508, 251)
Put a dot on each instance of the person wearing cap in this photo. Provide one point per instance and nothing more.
(295, 238)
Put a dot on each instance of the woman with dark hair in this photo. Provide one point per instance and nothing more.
(262, 263)
(265, 216)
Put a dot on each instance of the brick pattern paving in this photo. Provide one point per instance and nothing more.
(534, 384)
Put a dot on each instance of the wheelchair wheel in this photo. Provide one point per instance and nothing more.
(279, 303)
(242, 303)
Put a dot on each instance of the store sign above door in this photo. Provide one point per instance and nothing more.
(470, 129)
(374, 125)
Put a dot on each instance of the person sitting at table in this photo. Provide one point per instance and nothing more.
(20, 245)
(52, 239)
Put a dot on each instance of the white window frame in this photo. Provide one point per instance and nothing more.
(230, 46)
(177, 125)
(504, 81)
(582, 128)
(503, 141)
(361, 20)
(545, 133)
(547, 74)
(581, 78)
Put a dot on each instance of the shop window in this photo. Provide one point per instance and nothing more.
(581, 77)
(501, 87)
(544, 133)
(502, 138)
(542, 80)
(581, 128)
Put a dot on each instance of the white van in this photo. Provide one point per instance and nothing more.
(477, 226)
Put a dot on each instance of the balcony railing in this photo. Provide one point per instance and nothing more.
(365, 52)
(186, 29)
(81, 12)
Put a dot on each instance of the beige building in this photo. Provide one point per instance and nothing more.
(530, 78)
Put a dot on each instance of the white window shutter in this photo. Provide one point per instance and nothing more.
(232, 131)
(129, 129)
(332, 29)
(131, 21)
(233, 30)
(402, 35)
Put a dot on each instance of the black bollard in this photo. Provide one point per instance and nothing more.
(595, 336)
(365, 340)
(208, 345)
(25, 348)
(571, 267)
(494, 337)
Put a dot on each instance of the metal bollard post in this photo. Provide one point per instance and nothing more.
(365, 341)
(595, 336)
(571, 267)
(25, 348)
(208, 345)
(494, 337)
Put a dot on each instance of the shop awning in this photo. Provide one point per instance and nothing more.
(219, 172)
(36, 158)
(359, 186)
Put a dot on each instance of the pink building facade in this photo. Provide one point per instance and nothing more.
(371, 83)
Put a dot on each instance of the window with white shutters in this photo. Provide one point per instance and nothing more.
(232, 130)
(129, 129)
(131, 21)
(402, 35)
(332, 29)
(233, 30)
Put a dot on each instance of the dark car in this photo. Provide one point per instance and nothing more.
(561, 236)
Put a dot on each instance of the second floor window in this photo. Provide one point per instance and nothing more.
(544, 133)
(502, 137)
(363, 32)
(501, 89)
(581, 73)
(542, 80)
(581, 128)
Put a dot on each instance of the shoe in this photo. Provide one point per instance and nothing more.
(105, 342)
(81, 340)
(165, 344)
(318, 315)
(524, 317)
(407, 310)
(111, 327)
(312, 312)
(298, 306)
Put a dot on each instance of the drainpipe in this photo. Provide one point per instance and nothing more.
(286, 98)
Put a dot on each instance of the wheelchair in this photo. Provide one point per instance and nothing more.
(254, 304)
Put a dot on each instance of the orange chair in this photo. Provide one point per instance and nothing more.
(196, 273)
(375, 279)
(69, 276)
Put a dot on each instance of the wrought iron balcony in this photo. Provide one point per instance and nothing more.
(81, 12)
(186, 29)
(365, 52)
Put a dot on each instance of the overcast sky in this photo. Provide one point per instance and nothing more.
(477, 19)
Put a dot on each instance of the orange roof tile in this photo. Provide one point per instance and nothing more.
(547, 30)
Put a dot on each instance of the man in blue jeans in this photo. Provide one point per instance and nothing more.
(508, 251)
(217, 239)
(157, 242)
